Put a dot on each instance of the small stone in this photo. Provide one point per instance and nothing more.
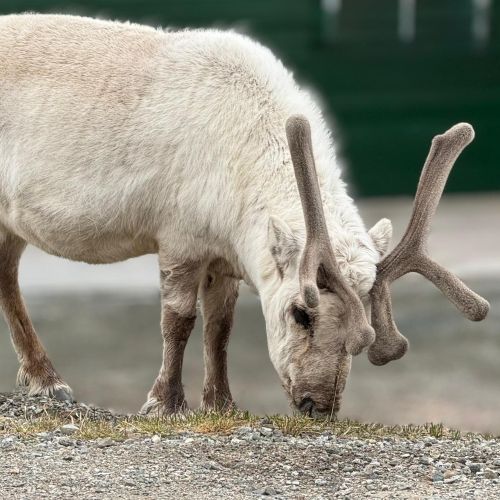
(8, 442)
(490, 474)
(64, 441)
(496, 462)
(320, 482)
(212, 465)
(156, 439)
(474, 468)
(425, 460)
(266, 431)
(244, 430)
(104, 442)
(69, 429)
(449, 473)
(438, 477)
(452, 479)
(266, 491)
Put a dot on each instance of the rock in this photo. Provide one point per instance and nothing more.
(64, 441)
(266, 491)
(69, 429)
(244, 430)
(320, 482)
(266, 431)
(104, 442)
(438, 477)
(8, 442)
(474, 468)
(490, 474)
(449, 473)
(425, 460)
(156, 439)
(452, 479)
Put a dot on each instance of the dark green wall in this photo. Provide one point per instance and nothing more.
(388, 97)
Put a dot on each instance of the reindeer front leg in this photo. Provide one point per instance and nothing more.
(218, 299)
(179, 287)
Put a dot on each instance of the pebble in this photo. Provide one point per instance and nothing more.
(474, 468)
(490, 474)
(266, 491)
(104, 442)
(64, 441)
(266, 431)
(69, 429)
(319, 466)
(452, 479)
(438, 477)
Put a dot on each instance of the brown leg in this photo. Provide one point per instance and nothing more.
(36, 371)
(219, 295)
(179, 288)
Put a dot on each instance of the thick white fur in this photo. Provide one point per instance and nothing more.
(118, 140)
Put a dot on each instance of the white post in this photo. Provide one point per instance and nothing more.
(481, 21)
(407, 20)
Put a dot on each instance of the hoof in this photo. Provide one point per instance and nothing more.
(63, 393)
(155, 408)
(51, 386)
(219, 406)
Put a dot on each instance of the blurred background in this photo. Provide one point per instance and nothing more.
(390, 75)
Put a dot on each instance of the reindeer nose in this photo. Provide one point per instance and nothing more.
(306, 406)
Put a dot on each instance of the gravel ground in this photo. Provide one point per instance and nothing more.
(248, 463)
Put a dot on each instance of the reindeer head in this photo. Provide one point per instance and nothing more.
(316, 321)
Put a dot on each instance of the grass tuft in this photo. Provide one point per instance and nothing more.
(213, 423)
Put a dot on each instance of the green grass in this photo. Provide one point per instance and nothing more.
(222, 424)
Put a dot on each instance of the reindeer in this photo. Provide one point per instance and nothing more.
(118, 140)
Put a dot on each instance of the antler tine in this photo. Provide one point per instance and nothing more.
(318, 250)
(444, 151)
(410, 254)
(299, 140)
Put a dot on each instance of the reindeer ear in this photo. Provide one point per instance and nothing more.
(381, 234)
(282, 243)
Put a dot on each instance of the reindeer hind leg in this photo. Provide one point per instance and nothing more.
(36, 371)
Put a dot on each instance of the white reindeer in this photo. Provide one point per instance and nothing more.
(118, 140)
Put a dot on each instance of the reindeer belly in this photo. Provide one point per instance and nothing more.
(73, 231)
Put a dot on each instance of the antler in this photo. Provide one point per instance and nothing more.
(318, 252)
(410, 254)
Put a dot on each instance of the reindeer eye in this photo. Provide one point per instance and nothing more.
(301, 317)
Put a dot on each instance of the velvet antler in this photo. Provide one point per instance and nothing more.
(410, 254)
(318, 252)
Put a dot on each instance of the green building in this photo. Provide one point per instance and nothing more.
(391, 73)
